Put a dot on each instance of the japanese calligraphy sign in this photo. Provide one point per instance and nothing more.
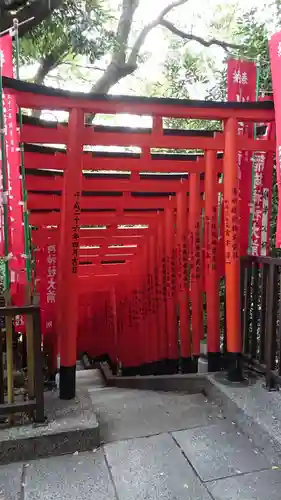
(275, 59)
(75, 233)
(211, 239)
(46, 266)
(52, 272)
(14, 195)
(241, 87)
(258, 193)
(231, 214)
(262, 196)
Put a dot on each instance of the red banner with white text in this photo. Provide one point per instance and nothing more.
(15, 206)
(262, 194)
(241, 87)
(275, 59)
(46, 272)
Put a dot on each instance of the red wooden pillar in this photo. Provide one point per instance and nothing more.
(154, 344)
(122, 332)
(148, 328)
(232, 250)
(172, 333)
(135, 337)
(127, 318)
(70, 229)
(115, 334)
(211, 268)
(140, 311)
(137, 311)
(120, 326)
(195, 252)
(161, 272)
(60, 269)
(182, 284)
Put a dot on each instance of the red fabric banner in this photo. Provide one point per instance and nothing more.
(241, 87)
(46, 266)
(3, 47)
(275, 59)
(15, 206)
(262, 197)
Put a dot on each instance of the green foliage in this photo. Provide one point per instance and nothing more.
(181, 69)
(79, 27)
(218, 92)
(253, 35)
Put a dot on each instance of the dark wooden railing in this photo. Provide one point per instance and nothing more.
(34, 405)
(261, 315)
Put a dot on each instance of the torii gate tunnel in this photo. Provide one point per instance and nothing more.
(144, 239)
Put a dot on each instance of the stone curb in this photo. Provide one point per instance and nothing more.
(191, 384)
(70, 428)
(207, 385)
(254, 430)
(43, 446)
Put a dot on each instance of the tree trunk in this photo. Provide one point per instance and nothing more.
(111, 76)
(46, 65)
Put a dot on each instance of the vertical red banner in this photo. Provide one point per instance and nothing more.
(241, 87)
(3, 47)
(46, 264)
(275, 59)
(262, 198)
(15, 205)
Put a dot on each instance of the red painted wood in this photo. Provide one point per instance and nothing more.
(69, 278)
(172, 326)
(182, 283)
(195, 252)
(179, 109)
(211, 255)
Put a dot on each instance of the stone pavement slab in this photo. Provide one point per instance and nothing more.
(84, 476)
(11, 482)
(127, 413)
(153, 468)
(218, 451)
(264, 485)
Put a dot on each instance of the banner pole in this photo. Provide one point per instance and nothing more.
(24, 193)
(4, 183)
(6, 31)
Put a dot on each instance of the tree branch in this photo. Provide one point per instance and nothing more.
(123, 31)
(132, 59)
(199, 39)
(46, 65)
(38, 9)
(119, 67)
(112, 75)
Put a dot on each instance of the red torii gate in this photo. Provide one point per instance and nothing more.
(69, 214)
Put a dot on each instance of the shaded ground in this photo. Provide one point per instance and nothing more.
(156, 445)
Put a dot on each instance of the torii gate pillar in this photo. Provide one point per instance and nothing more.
(69, 255)
(232, 251)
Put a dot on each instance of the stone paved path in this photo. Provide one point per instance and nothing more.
(156, 446)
